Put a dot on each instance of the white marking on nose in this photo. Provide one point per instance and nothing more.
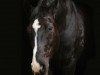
(35, 65)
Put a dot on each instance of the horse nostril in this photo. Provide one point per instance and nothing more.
(43, 69)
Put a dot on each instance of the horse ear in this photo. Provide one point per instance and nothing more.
(55, 10)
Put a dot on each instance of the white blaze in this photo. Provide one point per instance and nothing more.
(35, 65)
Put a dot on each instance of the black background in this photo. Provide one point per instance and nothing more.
(11, 37)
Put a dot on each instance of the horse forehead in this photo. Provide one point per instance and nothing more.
(36, 25)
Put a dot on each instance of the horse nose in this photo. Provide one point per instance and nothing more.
(36, 68)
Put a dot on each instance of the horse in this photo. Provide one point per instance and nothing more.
(57, 36)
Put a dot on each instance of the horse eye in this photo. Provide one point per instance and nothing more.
(49, 28)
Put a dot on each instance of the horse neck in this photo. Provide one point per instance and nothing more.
(67, 22)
